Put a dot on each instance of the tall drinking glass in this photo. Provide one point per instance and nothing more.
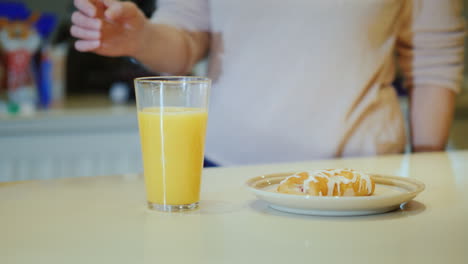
(172, 117)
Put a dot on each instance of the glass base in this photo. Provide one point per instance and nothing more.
(172, 208)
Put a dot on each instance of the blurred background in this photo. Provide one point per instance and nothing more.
(65, 114)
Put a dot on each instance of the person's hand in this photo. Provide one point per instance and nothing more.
(108, 27)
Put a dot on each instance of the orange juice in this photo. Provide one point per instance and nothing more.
(172, 142)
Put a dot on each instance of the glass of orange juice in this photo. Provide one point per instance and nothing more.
(172, 117)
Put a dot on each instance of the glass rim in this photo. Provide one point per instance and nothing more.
(172, 79)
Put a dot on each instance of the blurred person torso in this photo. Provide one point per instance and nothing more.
(299, 80)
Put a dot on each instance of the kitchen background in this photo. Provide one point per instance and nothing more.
(85, 123)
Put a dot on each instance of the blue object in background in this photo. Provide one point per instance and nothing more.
(208, 163)
(398, 83)
(44, 80)
(45, 26)
(14, 11)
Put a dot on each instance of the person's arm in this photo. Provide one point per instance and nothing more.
(431, 47)
(431, 115)
(171, 50)
(114, 28)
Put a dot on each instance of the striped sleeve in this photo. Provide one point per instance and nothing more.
(431, 43)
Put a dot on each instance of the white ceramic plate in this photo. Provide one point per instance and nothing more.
(390, 192)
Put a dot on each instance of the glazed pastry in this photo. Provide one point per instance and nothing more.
(333, 182)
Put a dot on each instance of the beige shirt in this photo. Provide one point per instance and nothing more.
(300, 80)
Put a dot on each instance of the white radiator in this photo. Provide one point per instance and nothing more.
(70, 145)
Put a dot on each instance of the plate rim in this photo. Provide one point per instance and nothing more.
(419, 187)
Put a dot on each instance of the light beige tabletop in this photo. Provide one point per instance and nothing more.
(104, 220)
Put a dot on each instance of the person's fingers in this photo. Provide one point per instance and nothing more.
(86, 6)
(87, 45)
(83, 21)
(118, 10)
(100, 7)
(107, 3)
(85, 34)
(114, 9)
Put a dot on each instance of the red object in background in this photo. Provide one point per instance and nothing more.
(18, 72)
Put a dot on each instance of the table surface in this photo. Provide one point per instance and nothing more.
(104, 220)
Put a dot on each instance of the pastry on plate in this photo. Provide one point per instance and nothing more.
(332, 182)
